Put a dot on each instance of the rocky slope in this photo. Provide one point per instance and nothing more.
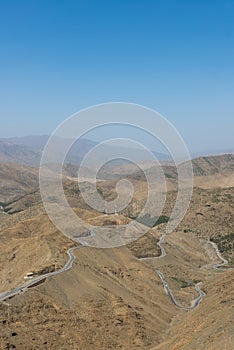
(109, 299)
(16, 180)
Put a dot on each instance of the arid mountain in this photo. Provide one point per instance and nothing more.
(16, 180)
(209, 172)
(213, 165)
(110, 299)
(36, 142)
(10, 152)
(208, 327)
(27, 150)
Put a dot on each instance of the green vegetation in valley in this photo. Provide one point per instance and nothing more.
(224, 243)
(183, 283)
(152, 221)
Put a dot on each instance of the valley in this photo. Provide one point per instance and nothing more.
(119, 297)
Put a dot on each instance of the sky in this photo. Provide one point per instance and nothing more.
(175, 56)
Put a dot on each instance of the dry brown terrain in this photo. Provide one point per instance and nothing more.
(16, 180)
(109, 299)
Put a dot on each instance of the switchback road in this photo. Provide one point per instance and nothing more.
(195, 302)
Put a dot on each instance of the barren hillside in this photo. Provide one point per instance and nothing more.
(110, 299)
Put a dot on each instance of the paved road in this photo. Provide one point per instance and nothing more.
(36, 280)
(163, 252)
(220, 266)
(68, 265)
(196, 302)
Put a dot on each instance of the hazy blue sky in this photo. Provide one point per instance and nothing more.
(176, 56)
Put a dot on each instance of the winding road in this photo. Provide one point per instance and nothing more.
(36, 280)
(195, 302)
(68, 265)
(224, 261)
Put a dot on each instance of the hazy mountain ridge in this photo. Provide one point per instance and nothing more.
(217, 171)
(10, 152)
(202, 166)
(28, 150)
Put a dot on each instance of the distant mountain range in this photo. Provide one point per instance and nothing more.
(209, 172)
(28, 150)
